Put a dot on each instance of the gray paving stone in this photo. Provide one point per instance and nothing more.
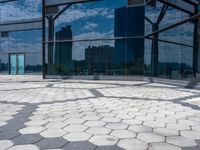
(84, 145)
(24, 147)
(51, 143)
(26, 139)
(8, 134)
(109, 148)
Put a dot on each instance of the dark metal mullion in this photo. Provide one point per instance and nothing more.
(170, 42)
(43, 40)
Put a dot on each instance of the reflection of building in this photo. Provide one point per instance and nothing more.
(99, 59)
(63, 50)
(129, 22)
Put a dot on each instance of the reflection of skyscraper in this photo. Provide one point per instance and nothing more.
(129, 22)
(99, 58)
(63, 50)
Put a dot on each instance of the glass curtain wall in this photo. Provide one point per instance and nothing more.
(96, 38)
(174, 59)
(26, 42)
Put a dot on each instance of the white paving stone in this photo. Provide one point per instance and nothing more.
(140, 128)
(181, 141)
(166, 131)
(53, 133)
(150, 137)
(32, 130)
(98, 131)
(24, 147)
(132, 144)
(75, 128)
(126, 134)
(4, 144)
(103, 140)
(191, 134)
(163, 146)
(77, 136)
(116, 126)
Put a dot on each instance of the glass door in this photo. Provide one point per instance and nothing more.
(13, 64)
(17, 64)
(20, 64)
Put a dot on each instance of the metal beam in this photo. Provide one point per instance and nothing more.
(21, 25)
(63, 2)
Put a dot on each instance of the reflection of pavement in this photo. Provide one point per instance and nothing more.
(97, 115)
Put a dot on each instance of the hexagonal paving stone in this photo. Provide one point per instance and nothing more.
(196, 128)
(163, 146)
(77, 136)
(166, 131)
(154, 124)
(24, 147)
(191, 134)
(178, 126)
(123, 134)
(131, 122)
(181, 141)
(150, 137)
(75, 128)
(32, 130)
(84, 145)
(55, 125)
(103, 140)
(51, 143)
(91, 118)
(95, 123)
(140, 128)
(116, 126)
(110, 119)
(36, 123)
(74, 121)
(4, 144)
(51, 133)
(26, 139)
(98, 130)
(132, 144)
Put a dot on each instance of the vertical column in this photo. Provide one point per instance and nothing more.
(43, 40)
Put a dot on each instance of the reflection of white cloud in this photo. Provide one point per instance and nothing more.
(22, 9)
(90, 26)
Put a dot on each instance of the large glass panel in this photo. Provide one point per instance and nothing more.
(13, 64)
(20, 64)
(4, 58)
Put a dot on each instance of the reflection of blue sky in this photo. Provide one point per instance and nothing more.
(21, 9)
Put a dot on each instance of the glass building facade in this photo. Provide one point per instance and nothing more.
(152, 38)
(21, 40)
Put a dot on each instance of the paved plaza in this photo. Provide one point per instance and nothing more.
(97, 115)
